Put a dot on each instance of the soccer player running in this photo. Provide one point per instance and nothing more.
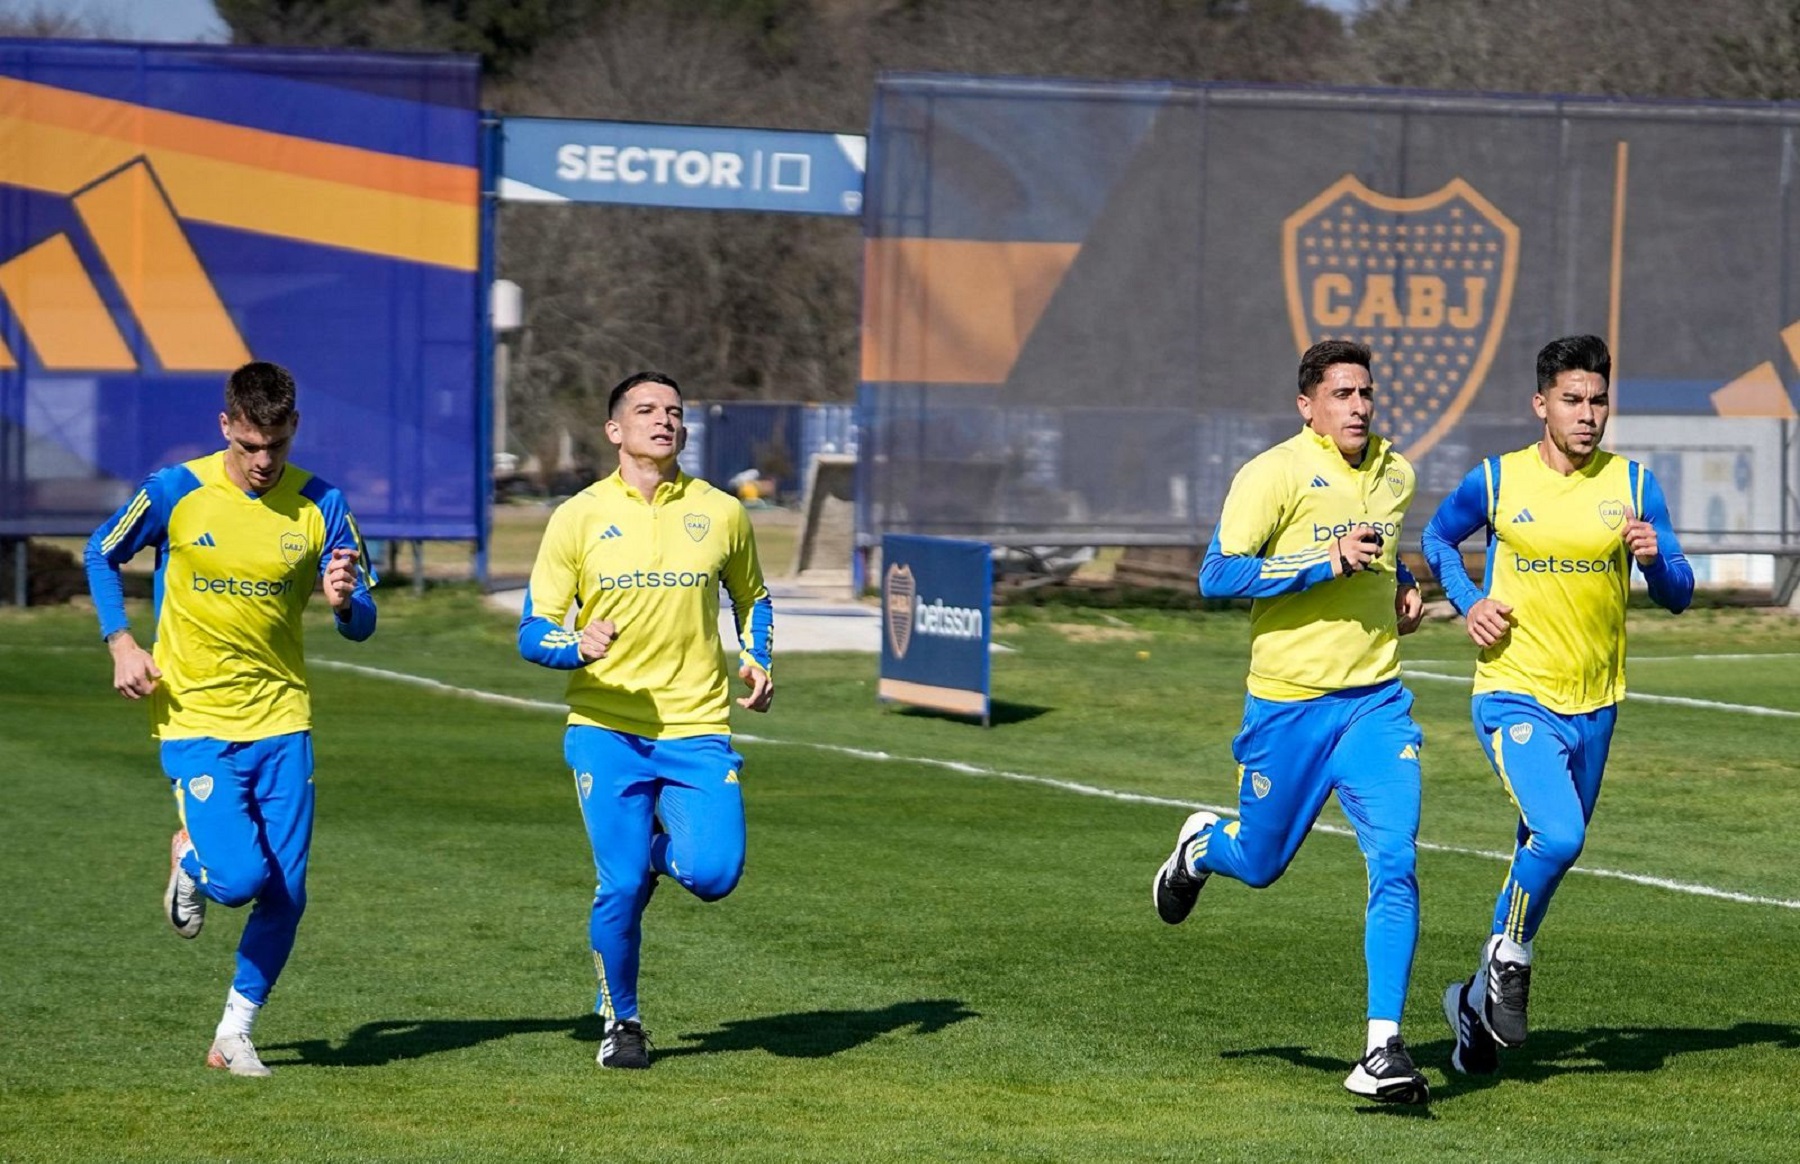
(640, 557)
(1564, 520)
(242, 538)
(1310, 531)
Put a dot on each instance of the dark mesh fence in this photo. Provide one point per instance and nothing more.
(1085, 303)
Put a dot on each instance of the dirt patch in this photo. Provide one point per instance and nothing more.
(1076, 632)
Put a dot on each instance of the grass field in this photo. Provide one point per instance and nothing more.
(923, 961)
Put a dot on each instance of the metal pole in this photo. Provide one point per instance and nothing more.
(490, 144)
(418, 570)
(21, 588)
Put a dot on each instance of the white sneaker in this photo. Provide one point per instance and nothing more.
(183, 903)
(1174, 890)
(1387, 1074)
(236, 1054)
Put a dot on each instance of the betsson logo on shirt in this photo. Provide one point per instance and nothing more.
(243, 587)
(1564, 565)
(653, 579)
(1326, 533)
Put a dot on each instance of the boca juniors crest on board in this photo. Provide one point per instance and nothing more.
(1425, 282)
(897, 600)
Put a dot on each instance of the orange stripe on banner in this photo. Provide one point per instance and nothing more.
(156, 130)
(1790, 339)
(952, 699)
(159, 273)
(6, 357)
(60, 312)
(291, 199)
(952, 310)
(1758, 392)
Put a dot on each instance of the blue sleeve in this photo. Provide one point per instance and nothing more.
(141, 522)
(750, 603)
(1225, 575)
(757, 646)
(1459, 515)
(341, 533)
(547, 643)
(556, 584)
(1402, 576)
(1670, 579)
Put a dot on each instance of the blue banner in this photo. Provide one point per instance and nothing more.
(937, 597)
(168, 214)
(692, 166)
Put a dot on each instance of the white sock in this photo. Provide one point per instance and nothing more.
(1504, 949)
(1380, 1031)
(617, 1019)
(239, 1017)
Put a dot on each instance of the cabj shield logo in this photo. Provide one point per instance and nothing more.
(898, 589)
(1425, 282)
(1612, 513)
(293, 547)
(696, 525)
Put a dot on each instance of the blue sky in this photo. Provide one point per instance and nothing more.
(138, 19)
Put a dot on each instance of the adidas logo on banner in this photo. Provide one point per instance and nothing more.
(612, 531)
(1524, 515)
(1320, 483)
(205, 539)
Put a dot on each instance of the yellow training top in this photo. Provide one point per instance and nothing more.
(654, 568)
(1311, 633)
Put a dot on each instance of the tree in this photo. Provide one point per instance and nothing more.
(504, 32)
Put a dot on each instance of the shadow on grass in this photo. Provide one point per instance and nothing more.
(1000, 713)
(394, 1040)
(1335, 1070)
(1552, 1053)
(806, 1034)
(819, 1034)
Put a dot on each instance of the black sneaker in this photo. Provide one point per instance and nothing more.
(1387, 1074)
(1174, 889)
(1476, 1053)
(626, 1045)
(1507, 992)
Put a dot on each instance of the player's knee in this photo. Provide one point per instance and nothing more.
(1559, 846)
(714, 877)
(1260, 874)
(627, 889)
(234, 884)
(1393, 866)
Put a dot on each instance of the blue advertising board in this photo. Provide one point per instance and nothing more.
(169, 213)
(699, 167)
(937, 597)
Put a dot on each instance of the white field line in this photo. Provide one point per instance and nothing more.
(1634, 660)
(1638, 697)
(1050, 782)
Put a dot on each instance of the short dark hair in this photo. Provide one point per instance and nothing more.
(261, 393)
(1326, 353)
(632, 381)
(1573, 353)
